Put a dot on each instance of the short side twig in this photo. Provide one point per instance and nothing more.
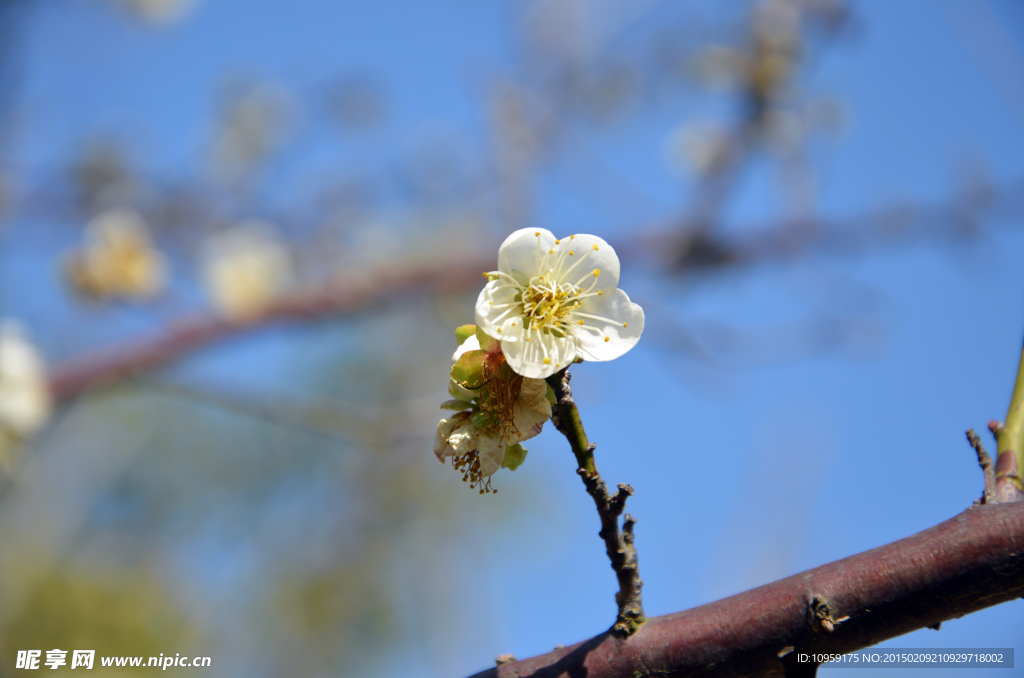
(618, 545)
(987, 467)
(1010, 444)
(1008, 488)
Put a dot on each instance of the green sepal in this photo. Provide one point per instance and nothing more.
(488, 344)
(515, 455)
(464, 332)
(550, 395)
(480, 420)
(457, 405)
(469, 370)
(460, 393)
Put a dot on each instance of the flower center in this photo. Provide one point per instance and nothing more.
(548, 305)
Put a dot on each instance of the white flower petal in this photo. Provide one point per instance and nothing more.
(491, 451)
(512, 330)
(588, 254)
(464, 439)
(530, 411)
(445, 427)
(25, 401)
(541, 356)
(622, 325)
(496, 307)
(520, 255)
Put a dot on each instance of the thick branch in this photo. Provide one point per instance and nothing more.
(619, 546)
(963, 565)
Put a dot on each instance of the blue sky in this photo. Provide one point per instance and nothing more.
(742, 475)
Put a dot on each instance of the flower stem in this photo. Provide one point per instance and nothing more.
(618, 545)
(1010, 445)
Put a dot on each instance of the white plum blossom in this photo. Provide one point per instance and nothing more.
(246, 268)
(118, 259)
(25, 401)
(555, 299)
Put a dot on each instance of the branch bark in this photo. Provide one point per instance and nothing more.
(619, 546)
(963, 565)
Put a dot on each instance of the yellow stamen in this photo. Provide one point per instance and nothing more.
(571, 237)
(558, 242)
(551, 251)
(595, 246)
(623, 324)
(571, 253)
(597, 272)
(600, 293)
(580, 322)
(547, 361)
(537, 234)
(499, 329)
(607, 338)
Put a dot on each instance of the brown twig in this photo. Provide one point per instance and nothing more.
(348, 293)
(963, 565)
(985, 461)
(619, 546)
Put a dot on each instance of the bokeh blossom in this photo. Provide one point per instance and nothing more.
(25, 402)
(118, 259)
(246, 268)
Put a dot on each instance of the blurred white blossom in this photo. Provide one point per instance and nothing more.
(117, 260)
(24, 394)
(246, 268)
